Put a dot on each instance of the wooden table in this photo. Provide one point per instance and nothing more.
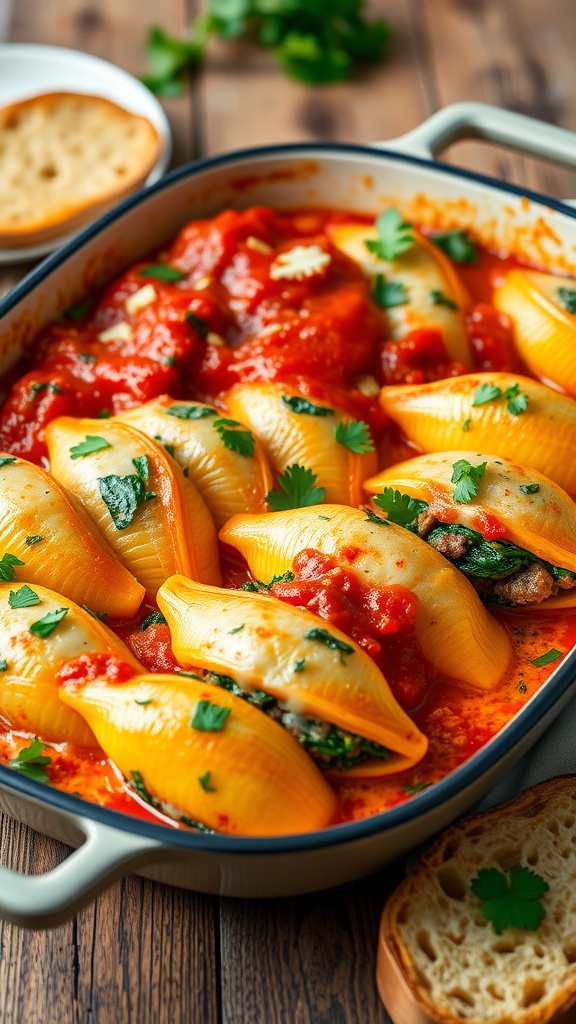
(148, 954)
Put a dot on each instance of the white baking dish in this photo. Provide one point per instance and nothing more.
(353, 177)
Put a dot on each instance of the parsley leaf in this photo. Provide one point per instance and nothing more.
(517, 402)
(6, 460)
(299, 404)
(47, 624)
(123, 494)
(23, 598)
(389, 293)
(466, 425)
(237, 629)
(510, 900)
(3, 665)
(31, 761)
(466, 477)
(239, 441)
(567, 299)
(295, 490)
(209, 717)
(299, 665)
(140, 786)
(36, 389)
(191, 412)
(198, 325)
(144, 703)
(322, 636)
(438, 298)
(87, 447)
(154, 619)
(457, 246)
(204, 781)
(371, 517)
(486, 393)
(355, 436)
(416, 787)
(7, 563)
(401, 508)
(99, 616)
(162, 272)
(529, 488)
(34, 539)
(257, 586)
(547, 658)
(395, 236)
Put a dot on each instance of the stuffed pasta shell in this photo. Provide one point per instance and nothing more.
(152, 517)
(55, 543)
(492, 412)
(427, 292)
(39, 631)
(226, 463)
(508, 528)
(543, 310)
(203, 755)
(297, 431)
(455, 632)
(324, 688)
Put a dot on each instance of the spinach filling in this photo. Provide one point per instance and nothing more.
(329, 745)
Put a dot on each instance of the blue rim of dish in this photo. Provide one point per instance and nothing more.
(553, 690)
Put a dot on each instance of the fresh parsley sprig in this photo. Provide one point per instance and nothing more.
(388, 294)
(466, 477)
(239, 441)
(295, 490)
(395, 236)
(457, 245)
(32, 762)
(510, 900)
(90, 445)
(355, 436)
(7, 563)
(400, 508)
(123, 494)
(516, 401)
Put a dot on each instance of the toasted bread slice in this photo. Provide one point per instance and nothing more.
(440, 960)
(64, 157)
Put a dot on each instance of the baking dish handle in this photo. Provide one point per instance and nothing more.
(42, 901)
(483, 121)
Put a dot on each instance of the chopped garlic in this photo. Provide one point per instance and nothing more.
(139, 300)
(202, 283)
(215, 339)
(258, 245)
(299, 262)
(118, 332)
(368, 386)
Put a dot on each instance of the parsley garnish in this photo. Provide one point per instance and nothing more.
(123, 494)
(296, 403)
(6, 460)
(34, 539)
(295, 490)
(466, 425)
(37, 388)
(237, 629)
(209, 717)
(299, 665)
(389, 293)
(31, 761)
(170, 361)
(87, 447)
(517, 402)
(371, 517)
(23, 598)
(104, 414)
(162, 272)
(400, 508)
(47, 624)
(257, 586)
(457, 246)
(547, 658)
(355, 436)
(529, 488)
(198, 325)
(510, 900)
(466, 477)
(395, 236)
(99, 616)
(143, 703)
(239, 441)
(154, 619)
(139, 786)
(322, 636)
(7, 563)
(204, 781)
(3, 665)
(486, 393)
(438, 298)
(567, 299)
(191, 412)
(85, 357)
(416, 787)
(78, 310)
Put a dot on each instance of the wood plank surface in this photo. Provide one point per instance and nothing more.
(145, 953)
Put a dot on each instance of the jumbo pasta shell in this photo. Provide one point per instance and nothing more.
(261, 641)
(250, 777)
(28, 691)
(455, 632)
(436, 296)
(45, 528)
(291, 437)
(155, 528)
(544, 330)
(229, 482)
(435, 417)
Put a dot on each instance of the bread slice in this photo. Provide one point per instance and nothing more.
(440, 960)
(64, 157)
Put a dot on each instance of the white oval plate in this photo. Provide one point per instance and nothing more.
(27, 69)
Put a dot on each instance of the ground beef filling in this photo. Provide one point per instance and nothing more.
(512, 582)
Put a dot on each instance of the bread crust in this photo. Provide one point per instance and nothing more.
(64, 158)
(403, 986)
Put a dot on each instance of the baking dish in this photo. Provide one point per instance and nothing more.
(403, 172)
